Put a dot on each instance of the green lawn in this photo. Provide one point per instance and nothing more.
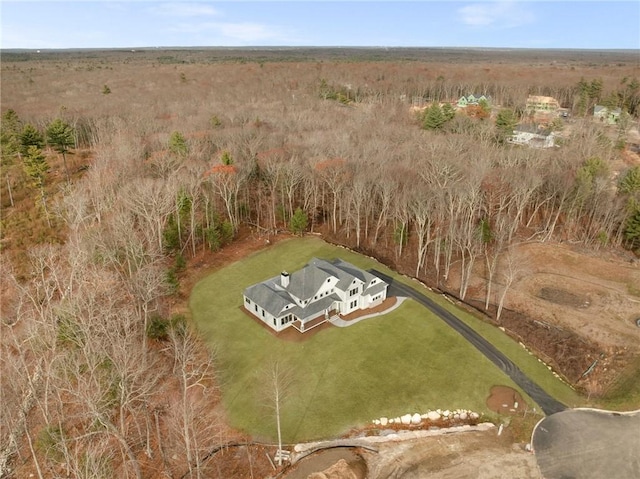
(527, 362)
(406, 361)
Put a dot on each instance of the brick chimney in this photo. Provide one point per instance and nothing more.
(284, 279)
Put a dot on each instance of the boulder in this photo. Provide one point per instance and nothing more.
(433, 415)
(416, 419)
(474, 415)
(406, 419)
(446, 413)
(340, 470)
(384, 421)
(464, 415)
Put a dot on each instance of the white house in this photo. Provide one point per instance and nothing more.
(471, 100)
(531, 135)
(308, 297)
(605, 115)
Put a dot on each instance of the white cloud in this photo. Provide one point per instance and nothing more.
(242, 32)
(183, 9)
(48, 37)
(504, 14)
(247, 32)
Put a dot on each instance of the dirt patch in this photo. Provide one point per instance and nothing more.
(478, 455)
(563, 297)
(323, 460)
(570, 306)
(505, 400)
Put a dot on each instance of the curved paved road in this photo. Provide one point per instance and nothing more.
(548, 404)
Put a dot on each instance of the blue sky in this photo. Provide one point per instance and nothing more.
(493, 23)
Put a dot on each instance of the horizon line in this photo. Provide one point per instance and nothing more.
(271, 47)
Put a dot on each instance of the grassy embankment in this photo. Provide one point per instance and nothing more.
(406, 361)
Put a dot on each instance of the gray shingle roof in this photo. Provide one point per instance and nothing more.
(345, 278)
(269, 296)
(354, 271)
(305, 283)
(315, 308)
(375, 289)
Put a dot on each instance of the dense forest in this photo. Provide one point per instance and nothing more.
(119, 168)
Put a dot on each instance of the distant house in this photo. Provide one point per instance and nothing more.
(532, 136)
(605, 115)
(472, 100)
(310, 296)
(542, 104)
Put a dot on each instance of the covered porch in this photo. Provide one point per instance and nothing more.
(309, 324)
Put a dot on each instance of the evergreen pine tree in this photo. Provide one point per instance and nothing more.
(30, 136)
(61, 137)
(632, 229)
(434, 118)
(299, 221)
(178, 144)
(505, 124)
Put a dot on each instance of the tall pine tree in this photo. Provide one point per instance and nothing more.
(434, 119)
(61, 137)
(36, 167)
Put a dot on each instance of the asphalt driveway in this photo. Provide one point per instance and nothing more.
(588, 444)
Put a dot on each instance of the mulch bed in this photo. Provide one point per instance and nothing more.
(292, 334)
(503, 400)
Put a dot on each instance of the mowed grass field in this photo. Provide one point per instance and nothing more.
(403, 362)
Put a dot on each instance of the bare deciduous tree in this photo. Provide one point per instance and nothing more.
(278, 379)
(193, 418)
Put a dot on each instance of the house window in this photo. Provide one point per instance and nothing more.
(256, 307)
(353, 292)
(247, 300)
(353, 304)
(274, 322)
(315, 297)
(263, 313)
(328, 279)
